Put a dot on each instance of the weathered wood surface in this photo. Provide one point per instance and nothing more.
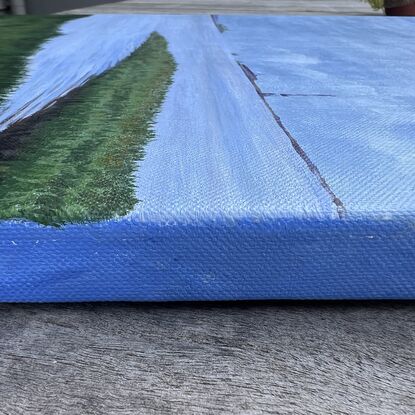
(241, 358)
(348, 7)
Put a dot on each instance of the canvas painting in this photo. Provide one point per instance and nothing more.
(161, 158)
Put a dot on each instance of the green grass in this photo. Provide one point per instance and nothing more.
(20, 37)
(77, 163)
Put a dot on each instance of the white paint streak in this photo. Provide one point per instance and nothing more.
(85, 48)
(218, 152)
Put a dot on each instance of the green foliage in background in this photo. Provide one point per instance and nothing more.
(76, 162)
(376, 4)
(20, 37)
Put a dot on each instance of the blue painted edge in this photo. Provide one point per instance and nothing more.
(245, 259)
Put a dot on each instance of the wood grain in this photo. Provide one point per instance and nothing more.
(241, 358)
(348, 7)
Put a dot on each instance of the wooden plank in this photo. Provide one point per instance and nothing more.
(53, 6)
(240, 358)
(352, 7)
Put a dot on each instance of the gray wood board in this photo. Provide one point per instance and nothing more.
(243, 358)
(335, 7)
(51, 6)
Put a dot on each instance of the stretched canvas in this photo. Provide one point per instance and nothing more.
(206, 158)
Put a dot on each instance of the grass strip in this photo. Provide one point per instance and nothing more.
(75, 162)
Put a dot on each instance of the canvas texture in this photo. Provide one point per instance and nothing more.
(166, 158)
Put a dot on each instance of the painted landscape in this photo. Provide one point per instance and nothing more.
(73, 161)
(147, 157)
